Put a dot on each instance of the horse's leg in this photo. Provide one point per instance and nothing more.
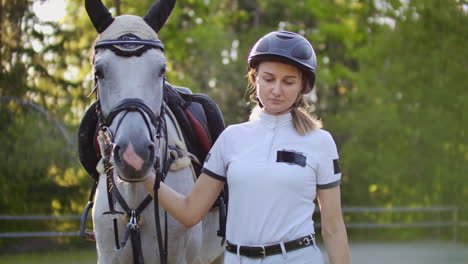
(219, 260)
(186, 245)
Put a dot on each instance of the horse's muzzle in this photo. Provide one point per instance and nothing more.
(134, 162)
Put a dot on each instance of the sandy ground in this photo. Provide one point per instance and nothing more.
(408, 253)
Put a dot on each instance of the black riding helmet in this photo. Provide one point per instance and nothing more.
(290, 46)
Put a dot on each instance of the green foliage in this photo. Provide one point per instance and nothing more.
(34, 156)
(407, 129)
(74, 256)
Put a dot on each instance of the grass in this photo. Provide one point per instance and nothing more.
(82, 256)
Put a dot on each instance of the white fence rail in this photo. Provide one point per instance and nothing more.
(454, 222)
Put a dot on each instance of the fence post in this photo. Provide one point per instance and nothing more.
(455, 224)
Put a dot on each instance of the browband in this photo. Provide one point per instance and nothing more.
(291, 157)
(129, 42)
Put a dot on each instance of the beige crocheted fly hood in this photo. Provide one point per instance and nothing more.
(128, 24)
(144, 28)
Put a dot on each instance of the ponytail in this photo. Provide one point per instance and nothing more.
(303, 121)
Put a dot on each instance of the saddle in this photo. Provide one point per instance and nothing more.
(198, 116)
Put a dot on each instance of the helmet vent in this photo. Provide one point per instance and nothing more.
(284, 37)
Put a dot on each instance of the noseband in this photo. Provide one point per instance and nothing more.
(134, 105)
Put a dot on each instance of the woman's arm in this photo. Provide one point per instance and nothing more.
(191, 209)
(333, 228)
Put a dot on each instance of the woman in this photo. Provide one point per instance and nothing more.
(276, 165)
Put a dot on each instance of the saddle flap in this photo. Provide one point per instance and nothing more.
(86, 141)
(213, 115)
(196, 115)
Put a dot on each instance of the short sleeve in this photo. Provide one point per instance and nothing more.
(215, 164)
(329, 169)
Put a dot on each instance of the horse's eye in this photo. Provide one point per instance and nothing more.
(98, 74)
(163, 71)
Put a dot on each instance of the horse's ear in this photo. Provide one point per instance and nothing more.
(158, 14)
(99, 15)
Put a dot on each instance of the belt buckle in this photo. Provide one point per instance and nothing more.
(306, 241)
(263, 251)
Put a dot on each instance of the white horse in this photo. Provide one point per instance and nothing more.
(135, 130)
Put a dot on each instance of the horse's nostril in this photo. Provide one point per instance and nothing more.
(116, 153)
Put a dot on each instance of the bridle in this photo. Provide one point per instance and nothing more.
(126, 46)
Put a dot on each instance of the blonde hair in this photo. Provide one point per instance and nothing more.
(302, 120)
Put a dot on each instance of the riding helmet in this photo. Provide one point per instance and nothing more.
(290, 46)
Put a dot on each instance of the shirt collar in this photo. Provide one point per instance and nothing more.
(273, 121)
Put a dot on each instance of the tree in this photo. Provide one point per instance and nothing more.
(33, 101)
(407, 142)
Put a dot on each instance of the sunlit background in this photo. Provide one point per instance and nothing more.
(50, 10)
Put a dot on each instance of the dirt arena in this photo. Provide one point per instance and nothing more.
(409, 253)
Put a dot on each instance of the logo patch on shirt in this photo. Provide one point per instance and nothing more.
(291, 157)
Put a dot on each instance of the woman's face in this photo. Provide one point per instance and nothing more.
(278, 86)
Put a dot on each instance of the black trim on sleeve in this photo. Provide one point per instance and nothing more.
(213, 175)
(329, 185)
(336, 166)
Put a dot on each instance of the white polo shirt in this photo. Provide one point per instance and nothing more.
(271, 198)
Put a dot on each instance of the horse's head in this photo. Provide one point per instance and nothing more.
(129, 69)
